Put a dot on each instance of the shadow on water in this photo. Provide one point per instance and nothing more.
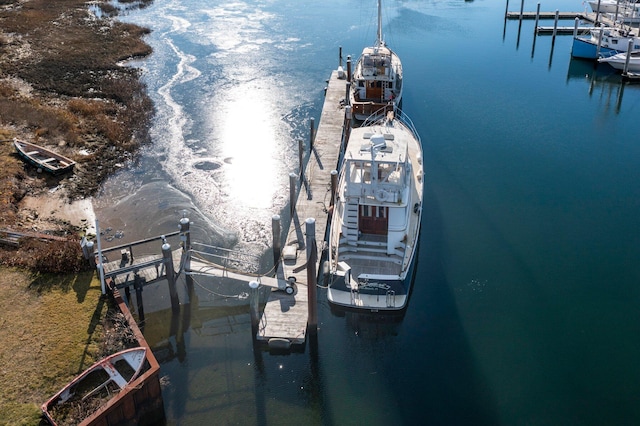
(450, 389)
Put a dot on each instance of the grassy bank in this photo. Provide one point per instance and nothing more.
(51, 329)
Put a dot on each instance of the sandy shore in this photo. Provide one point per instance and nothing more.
(53, 208)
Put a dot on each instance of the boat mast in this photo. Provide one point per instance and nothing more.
(380, 42)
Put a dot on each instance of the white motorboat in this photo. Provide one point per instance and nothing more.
(612, 6)
(603, 42)
(375, 223)
(618, 61)
(376, 83)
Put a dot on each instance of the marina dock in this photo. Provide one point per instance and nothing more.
(285, 316)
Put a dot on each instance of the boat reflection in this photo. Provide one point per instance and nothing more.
(601, 81)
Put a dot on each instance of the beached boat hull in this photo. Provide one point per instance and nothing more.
(42, 158)
(111, 374)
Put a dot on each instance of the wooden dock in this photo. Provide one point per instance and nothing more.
(551, 15)
(284, 321)
(285, 316)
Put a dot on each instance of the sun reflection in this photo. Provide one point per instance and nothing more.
(248, 135)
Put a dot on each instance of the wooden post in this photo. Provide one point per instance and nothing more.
(312, 133)
(576, 22)
(340, 56)
(253, 305)
(535, 27)
(597, 13)
(555, 26)
(301, 157)
(626, 62)
(292, 193)
(185, 235)
(334, 186)
(277, 244)
(100, 265)
(346, 131)
(137, 284)
(312, 275)
(349, 68)
(521, 9)
(347, 98)
(92, 255)
(600, 34)
(506, 10)
(171, 277)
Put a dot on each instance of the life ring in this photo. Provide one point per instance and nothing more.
(382, 195)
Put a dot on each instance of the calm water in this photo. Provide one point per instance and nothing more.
(525, 308)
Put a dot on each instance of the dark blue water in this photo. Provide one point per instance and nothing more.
(525, 308)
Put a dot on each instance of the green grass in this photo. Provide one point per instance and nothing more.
(50, 330)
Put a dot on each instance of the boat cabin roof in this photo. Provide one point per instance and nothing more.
(378, 147)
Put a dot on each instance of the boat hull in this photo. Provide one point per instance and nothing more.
(379, 295)
(111, 374)
(586, 49)
(43, 159)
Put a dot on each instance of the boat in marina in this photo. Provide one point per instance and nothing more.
(375, 223)
(44, 159)
(612, 6)
(376, 83)
(603, 42)
(100, 382)
(618, 61)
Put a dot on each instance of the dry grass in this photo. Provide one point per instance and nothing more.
(50, 328)
(60, 84)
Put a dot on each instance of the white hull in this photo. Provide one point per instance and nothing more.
(375, 224)
(611, 6)
(618, 61)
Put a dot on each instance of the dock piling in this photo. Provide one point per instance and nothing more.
(555, 26)
(312, 273)
(138, 284)
(275, 235)
(292, 193)
(334, 186)
(349, 68)
(521, 9)
(253, 301)
(347, 99)
(535, 26)
(626, 62)
(312, 132)
(171, 277)
(300, 157)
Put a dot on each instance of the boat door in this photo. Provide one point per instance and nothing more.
(374, 89)
(374, 220)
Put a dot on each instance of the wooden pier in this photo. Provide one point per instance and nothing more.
(285, 316)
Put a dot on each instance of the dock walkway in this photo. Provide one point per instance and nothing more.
(285, 316)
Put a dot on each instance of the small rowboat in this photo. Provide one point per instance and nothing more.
(100, 382)
(43, 158)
